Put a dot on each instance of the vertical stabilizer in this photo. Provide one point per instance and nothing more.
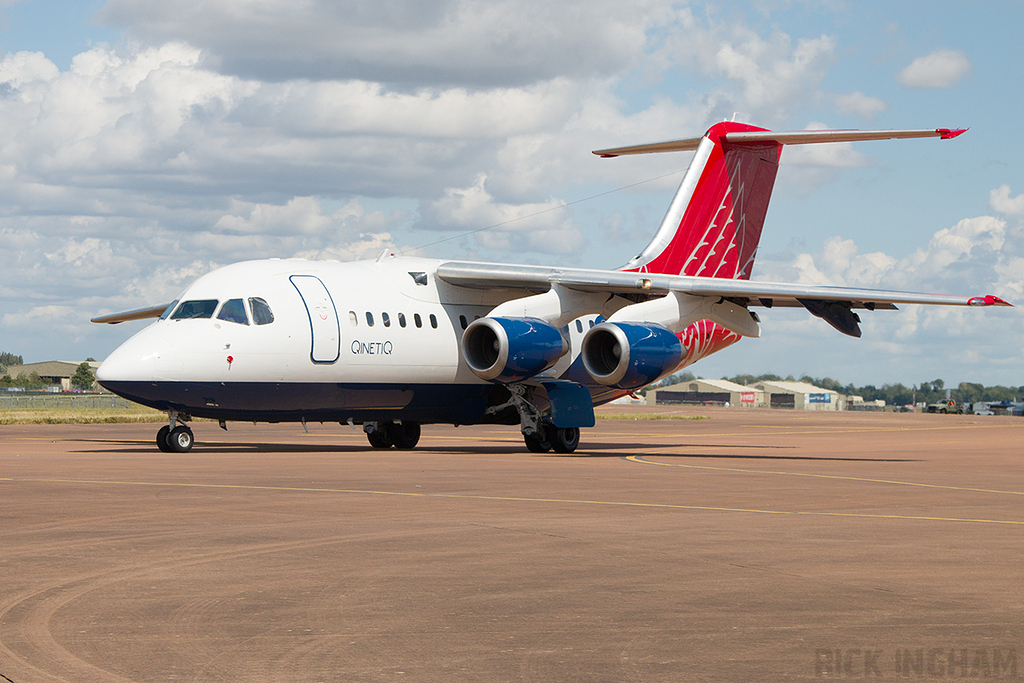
(714, 222)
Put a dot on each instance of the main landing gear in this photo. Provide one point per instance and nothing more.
(402, 435)
(175, 437)
(539, 433)
(558, 439)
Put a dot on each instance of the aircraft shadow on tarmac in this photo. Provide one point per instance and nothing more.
(592, 450)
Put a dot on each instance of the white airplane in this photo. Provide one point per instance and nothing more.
(398, 342)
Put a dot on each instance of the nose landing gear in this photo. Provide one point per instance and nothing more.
(175, 437)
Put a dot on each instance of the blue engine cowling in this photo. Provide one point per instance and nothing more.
(630, 355)
(509, 350)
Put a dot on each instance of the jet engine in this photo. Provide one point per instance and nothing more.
(509, 350)
(628, 355)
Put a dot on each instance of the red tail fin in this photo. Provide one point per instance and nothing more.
(714, 222)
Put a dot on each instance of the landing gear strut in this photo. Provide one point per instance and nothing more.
(539, 434)
(402, 435)
(175, 437)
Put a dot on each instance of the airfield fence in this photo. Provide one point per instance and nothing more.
(63, 401)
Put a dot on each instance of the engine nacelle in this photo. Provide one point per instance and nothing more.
(629, 355)
(511, 349)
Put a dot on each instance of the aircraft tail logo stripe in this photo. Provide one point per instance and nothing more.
(716, 232)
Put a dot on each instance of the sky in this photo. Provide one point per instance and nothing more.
(144, 143)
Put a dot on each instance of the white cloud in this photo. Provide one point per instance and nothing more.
(480, 43)
(864, 107)
(999, 200)
(975, 256)
(964, 255)
(939, 69)
(544, 227)
(224, 131)
(773, 74)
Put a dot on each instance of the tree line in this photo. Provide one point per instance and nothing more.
(9, 359)
(897, 394)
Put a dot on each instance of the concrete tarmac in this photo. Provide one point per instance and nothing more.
(754, 545)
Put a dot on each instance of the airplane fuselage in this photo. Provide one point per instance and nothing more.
(369, 340)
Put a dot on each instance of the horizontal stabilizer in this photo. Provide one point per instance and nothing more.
(795, 137)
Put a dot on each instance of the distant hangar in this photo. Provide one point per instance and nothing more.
(792, 395)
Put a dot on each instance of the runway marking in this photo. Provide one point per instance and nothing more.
(641, 459)
(460, 496)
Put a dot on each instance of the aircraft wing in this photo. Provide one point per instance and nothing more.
(134, 314)
(745, 292)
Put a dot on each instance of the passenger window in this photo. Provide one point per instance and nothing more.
(462, 321)
(233, 311)
(433, 321)
(386, 319)
(353, 319)
(591, 323)
(261, 313)
(579, 326)
(203, 308)
(417, 319)
(369, 319)
(167, 311)
(401, 319)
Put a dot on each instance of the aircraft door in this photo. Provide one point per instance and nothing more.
(323, 318)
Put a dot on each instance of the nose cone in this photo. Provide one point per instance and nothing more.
(134, 360)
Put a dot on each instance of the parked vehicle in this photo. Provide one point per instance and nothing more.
(949, 405)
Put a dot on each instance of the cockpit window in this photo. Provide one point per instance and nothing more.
(233, 311)
(261, 313)
(202, 308)
(167, 311)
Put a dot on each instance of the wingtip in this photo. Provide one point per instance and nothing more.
(988, 300)
(950, 133)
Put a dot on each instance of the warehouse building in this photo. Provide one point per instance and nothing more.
(800, 396)
(706, 391)
(55, 372)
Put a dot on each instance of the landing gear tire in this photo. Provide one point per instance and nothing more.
(161, 439)
(404, 436)
(564, 439)
(379, 438)
(180, 439)
(535, 444)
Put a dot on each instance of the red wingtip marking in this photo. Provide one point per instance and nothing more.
(950, 133)
(987, 300)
